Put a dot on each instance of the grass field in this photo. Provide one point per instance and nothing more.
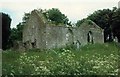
(96, 59)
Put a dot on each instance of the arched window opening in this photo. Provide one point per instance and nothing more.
(90, 37)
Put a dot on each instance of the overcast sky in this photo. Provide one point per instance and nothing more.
(73, 9)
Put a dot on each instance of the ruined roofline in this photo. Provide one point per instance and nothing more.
(48, 23)
(87, 20)
(45, 21)
(34, 12)
(40, 15)
(95, 24)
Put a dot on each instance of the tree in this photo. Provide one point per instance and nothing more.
(108, 20)
(56, 16)
(6, 21)
(104, 19)
(116, 24)
(25, 17)
(16, 33)
(79, 22)
(101, 17)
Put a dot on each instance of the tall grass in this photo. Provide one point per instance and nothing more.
(96, 59)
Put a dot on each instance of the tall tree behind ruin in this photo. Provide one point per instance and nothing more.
(116, 24)
(105, 18)
(6, 21)
(56, 16)
(16, 33)
(79, 22)
(108, 20)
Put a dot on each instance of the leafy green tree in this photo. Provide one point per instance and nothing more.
(6, 21)
(16, 33)
(101, 17)
(79, 22)
(104, 19)
(116, 24)
(25, 17)
(56, 16)
(108, 20)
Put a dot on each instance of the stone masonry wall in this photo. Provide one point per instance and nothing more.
(38, 33)
(56, 36)
(81, 33)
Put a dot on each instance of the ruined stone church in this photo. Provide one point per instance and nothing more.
(39, 33)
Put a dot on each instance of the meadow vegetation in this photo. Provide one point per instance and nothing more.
(95, 59)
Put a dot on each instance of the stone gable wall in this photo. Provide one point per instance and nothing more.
(82, 31)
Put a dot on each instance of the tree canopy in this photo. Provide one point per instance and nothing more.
(79, 22)
(116, 24)
(108, 20)
(56, 16)
(6, 21)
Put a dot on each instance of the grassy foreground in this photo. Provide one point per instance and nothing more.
(96, 59)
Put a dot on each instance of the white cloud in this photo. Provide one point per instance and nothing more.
(74, 9)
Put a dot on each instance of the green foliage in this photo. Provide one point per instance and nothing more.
(26, 17)
(109, 20)
(101, 17)
(79, 22)
(89, 22)
(85, 21)
(56, 16)
(115, 24)
(16, 33)
(6, 21)
(89, 60)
